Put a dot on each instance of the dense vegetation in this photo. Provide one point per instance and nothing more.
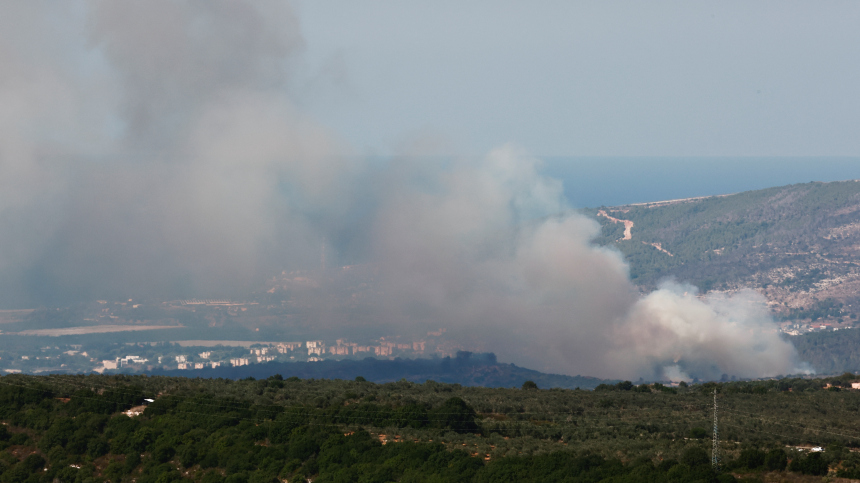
(72, 428)
(830, 352)
(822, 309)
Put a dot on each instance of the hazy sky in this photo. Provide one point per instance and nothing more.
(586, 78)
(175, 149)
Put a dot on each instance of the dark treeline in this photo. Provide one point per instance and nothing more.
(478, 369)
(72, 428)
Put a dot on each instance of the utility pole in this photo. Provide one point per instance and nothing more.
(715, 452)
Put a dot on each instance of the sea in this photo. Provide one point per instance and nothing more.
(591, 182)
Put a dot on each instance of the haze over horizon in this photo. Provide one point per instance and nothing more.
(178, 149)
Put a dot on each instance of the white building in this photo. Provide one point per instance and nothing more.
(132, 360)
(382, 350)
(315, 347)
(285, 347)
(340, 350)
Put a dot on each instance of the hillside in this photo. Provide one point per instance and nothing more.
(798, 245)
(830, 352)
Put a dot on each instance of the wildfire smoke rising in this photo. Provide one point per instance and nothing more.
(490, 245)
(157, 149)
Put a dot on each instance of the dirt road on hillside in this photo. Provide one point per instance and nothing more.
(628, 225)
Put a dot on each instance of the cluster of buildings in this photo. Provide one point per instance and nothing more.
(182, 362)
(795, 328)
(343, 348)
(197, 365)
(259, 353)
(263, 355)
(120, 362)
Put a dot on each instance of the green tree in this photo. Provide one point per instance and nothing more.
(776, 460)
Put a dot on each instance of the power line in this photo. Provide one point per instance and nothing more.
(803, 427)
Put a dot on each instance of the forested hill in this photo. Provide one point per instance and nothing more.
(830, 352)
(481, 370)
(799, 245)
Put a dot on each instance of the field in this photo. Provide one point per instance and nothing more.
(12, 316)
(93, 329)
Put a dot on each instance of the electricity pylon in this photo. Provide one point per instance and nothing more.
(715, 452)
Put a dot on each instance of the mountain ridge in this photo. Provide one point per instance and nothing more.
(798, 245)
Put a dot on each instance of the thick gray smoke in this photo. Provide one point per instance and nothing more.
(489, 246)
(155, 149)
(157, 154)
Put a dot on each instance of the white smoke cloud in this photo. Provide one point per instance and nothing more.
(675, 333)
(159, 153)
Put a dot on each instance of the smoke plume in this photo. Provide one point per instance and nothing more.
(489, 246)
(155, 149)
